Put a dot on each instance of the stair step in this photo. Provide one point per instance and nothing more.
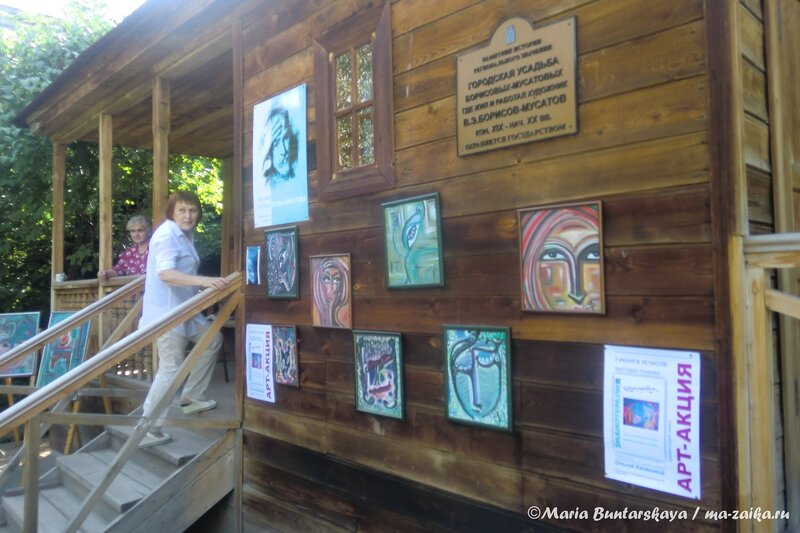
(56, 508)
(69, 504)
(184, 445)
(87, 470)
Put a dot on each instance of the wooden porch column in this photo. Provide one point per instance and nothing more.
(57, 248)
(783, 67)
(59, 171)
(226, 263)
(161, 118)
(104, 189)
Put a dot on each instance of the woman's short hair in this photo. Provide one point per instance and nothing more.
(187, 197)
(138, 220)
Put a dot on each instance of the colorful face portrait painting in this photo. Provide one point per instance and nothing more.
(379, 373)
(253, 265)
(284, 347)
(561, 251)
(64, 353)
(412, 235)
(478, 375)
(16, 328)
(282, 263)
(330, 290)
(280, 166)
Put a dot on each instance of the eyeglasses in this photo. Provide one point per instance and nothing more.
(137, 231)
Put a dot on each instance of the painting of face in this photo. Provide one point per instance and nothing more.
(330, 287)
(561, 254)
(282, 279)
(478, 375)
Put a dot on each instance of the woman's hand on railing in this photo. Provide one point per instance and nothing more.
(210, 282)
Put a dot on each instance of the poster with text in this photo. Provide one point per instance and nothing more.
(651, 418)
(280, 166)
(258, 362)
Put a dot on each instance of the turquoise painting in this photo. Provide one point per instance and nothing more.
(413, 243)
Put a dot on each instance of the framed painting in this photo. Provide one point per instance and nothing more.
(412, 235)
(330, 291)
(478, 375)
(284, 348)
(253, 265)
(16, 328)
(64, 353)
(561, 254)
(379, 373)
(282, 263)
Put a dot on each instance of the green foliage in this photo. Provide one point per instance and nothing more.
(30, 58)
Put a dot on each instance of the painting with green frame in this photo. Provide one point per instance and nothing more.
(478, 375)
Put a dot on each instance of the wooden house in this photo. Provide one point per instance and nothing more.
(686, 133)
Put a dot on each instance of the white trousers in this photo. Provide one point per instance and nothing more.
(171, 351)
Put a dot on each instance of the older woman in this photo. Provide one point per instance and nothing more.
(132, 260)
(172, 280)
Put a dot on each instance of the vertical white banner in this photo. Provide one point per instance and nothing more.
(258, 362)
(651, 418)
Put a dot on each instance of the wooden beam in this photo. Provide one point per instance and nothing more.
(59, 172)
(226, 265)
(57, 250)
(780, 47)
(106, 220)
(161, 118)
(761, 397)
(783, 303)
(30, 476)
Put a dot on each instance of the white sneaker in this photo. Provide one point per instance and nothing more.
(198, 405)
(154, 440)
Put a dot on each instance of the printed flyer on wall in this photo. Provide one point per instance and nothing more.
(651, 418)
(258, 362)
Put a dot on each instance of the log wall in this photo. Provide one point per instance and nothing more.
(311, 461)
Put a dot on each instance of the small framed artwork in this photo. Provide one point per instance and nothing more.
(561, 254)
(379, 373)
(412, 235)
(284, 348)
(478, 375)
(253, 265)
(330, 291)
(282, 263)
(16, 328)
(64, 353)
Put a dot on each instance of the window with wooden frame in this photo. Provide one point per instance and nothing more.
(354, 112)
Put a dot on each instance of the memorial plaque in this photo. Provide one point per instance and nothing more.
(521, 88)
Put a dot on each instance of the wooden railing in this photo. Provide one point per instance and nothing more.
(76, 295)
(32, 411)
(758, 413)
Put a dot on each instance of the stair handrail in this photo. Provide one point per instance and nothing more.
(42, 339)
(41, 399)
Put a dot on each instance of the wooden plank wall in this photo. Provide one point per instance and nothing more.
(310, 460)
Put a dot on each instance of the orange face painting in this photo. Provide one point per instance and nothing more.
(561, 258)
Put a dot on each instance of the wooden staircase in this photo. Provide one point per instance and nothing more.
(161, 488)
(110, 484)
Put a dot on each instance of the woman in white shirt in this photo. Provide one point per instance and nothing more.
(170, 281)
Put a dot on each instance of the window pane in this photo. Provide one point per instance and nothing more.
(344, 80)
(364, 58)
(344, 141)
(365, 137)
